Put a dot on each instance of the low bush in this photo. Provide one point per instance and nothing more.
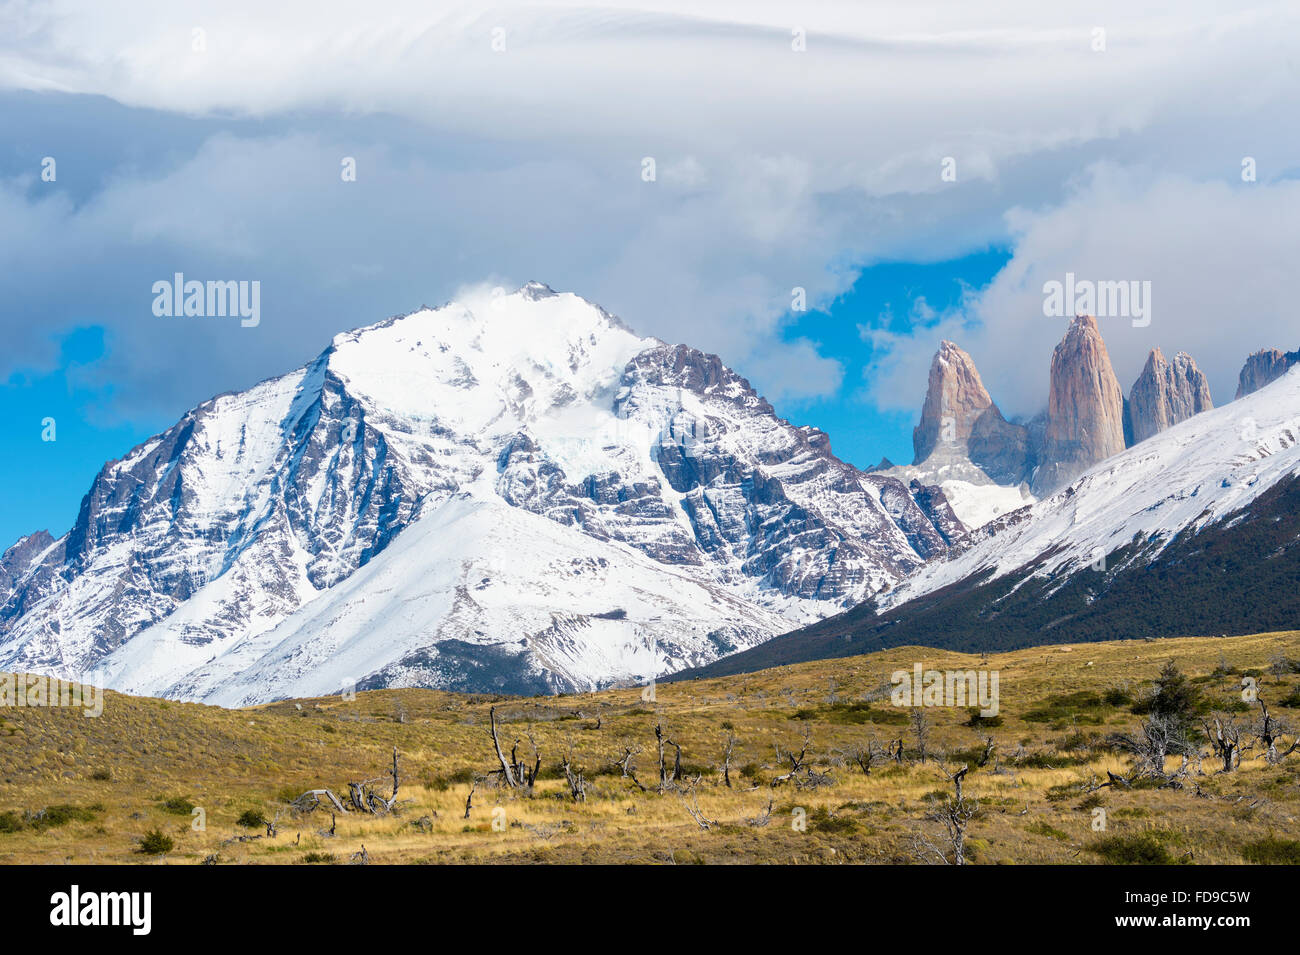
(155, 843)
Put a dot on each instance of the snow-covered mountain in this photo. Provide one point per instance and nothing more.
(1137, 502)
(1194, 531)
(511, 492)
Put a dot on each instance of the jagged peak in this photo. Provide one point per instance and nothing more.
(1084, 324)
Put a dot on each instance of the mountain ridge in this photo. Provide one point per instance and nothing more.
(1193, 530)
(216, 531)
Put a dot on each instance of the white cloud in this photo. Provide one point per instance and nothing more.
(1220, 258)
(776, 169)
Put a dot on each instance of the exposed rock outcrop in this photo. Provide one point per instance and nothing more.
(960, 424)
(1165, 394)
(955, 398)
(1085, 408)
(1264, 366)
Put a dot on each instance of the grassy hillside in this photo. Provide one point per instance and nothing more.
(90, 790)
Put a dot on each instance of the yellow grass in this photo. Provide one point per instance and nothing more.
(227, 762)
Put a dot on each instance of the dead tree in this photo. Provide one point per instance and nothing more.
(796, 761)
(360, 794)
(677, 760)
(309, 800)
(659, 741)
(955, 815)
(763, 818)
(921, 730)
(507, 774)
(469, 799)
(527, 777)
(1111, 780)
(1279, 666)
(1270, 729)
(1225, 741)
(624, 763)
(726, 759)
(392, 800)
(577, 785)
(867, 754)
(691, 800)
(273, 825)
(1160, 737)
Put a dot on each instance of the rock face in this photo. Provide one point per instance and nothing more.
(955, 398)
(1001, 449)
(1264, 366)
(963, 446)
(1085, 408)
(1165, 394)
(961, 425)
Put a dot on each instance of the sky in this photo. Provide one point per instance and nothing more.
(919, 168)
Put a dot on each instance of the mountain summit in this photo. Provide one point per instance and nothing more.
(1085, 408)
(511, 493)
(1165, 394)
(955, 398)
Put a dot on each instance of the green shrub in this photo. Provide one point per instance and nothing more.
(852, 714)
(251, 819)
(1053, 760)
(59, 815)
(1144, 848)
(1067, 706)
(178, 806)
(982, 722)
(1173, 696)
(1041, 828)
(1272, 851)
(1062, 792)
(1117, 697)
(101, 775)
(155, 843)
(823, 821)
(10, 821)
(321, 857)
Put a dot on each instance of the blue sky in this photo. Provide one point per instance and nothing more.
(897, 297)
(503, 163)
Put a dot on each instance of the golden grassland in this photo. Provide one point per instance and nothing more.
(139, 766)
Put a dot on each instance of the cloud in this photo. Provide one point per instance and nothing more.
(1219, 257)
(776, 169)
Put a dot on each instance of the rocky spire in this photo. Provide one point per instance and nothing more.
(954, 400)
(1263, 367)
(1085, 408)
(961, 430)
(1166, 393)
